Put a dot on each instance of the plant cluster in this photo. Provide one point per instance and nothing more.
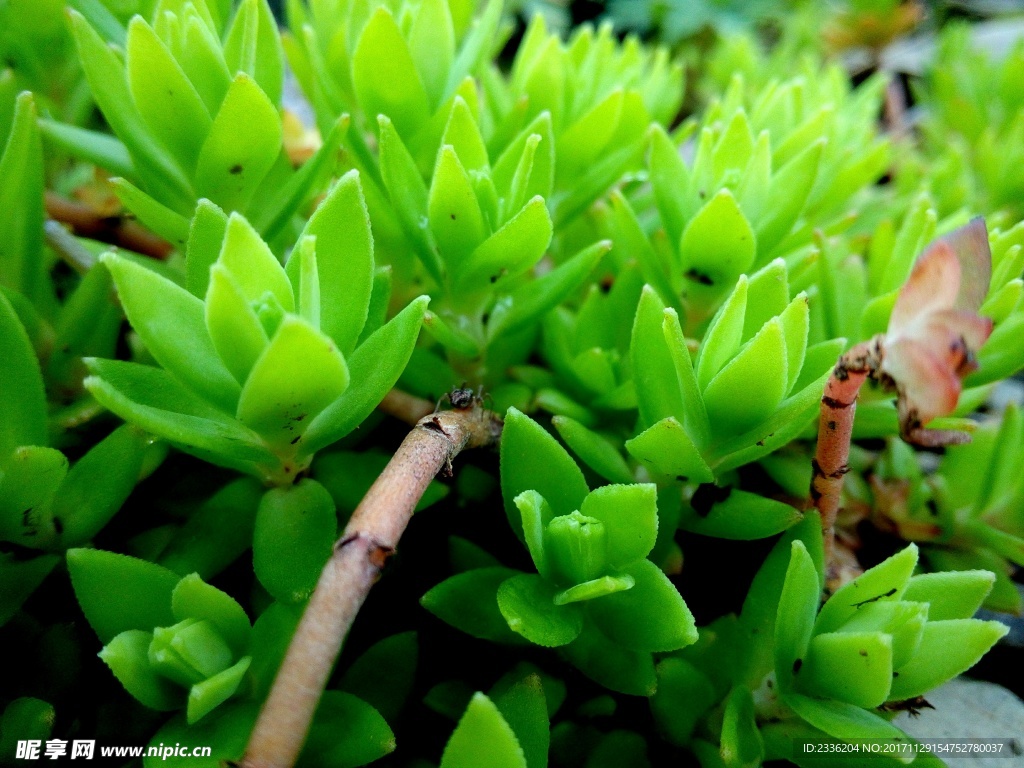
(208, 309)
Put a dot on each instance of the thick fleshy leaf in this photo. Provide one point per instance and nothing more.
(512, 250)
(164, 96)
(658, 392)
(374, 367)
(741, 516)
(649, 617)
(242, 146)
(741, 743)
(468, 601)
(193, 598)
(684, 695)
(723, 336)
(483, 738)
(595, 450)
(845, 721)
(886, 581)
(532, 460)
(667, 449)
(733, 401)
(593, 589)
(294, 536)
(32, 476)
(788, 191)
(524, 705)
(21, 198)
(950, 594)
(118, 593)
(171, 323)
(527, 603)
(696, 416)
(127, 655)
(798, 606)
(209, 694)
(251, 263)
(344, 256)
(347, 732)
(235, 330)
(454, 213)
(903, 621)
(20, 579)
(298, 375)
(535, 515)
(205, 237)
(21, 386)
(855, 667)
(432, 46)
(718, 243)
(152, 213)
(630, 517)
(153, 400)
(669, 179)
(947, 649)
(385, 76)
(608, 663)
(253, 45)
(383, 675)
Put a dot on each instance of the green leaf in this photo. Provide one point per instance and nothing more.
(251, 263)
(658, 392)
(468, 601)
(162, 220)
(298, 375)
(108, 85)
(226, 732)
(28, 718)
(463, 135)
(581, 143)
(453, 211)
(374, 367)
(732, 402)
(22, 267)
(118, 593)
(649, 617)
(235, 330)
(166, 99)
(511, 251)
(696, 416)
(524, 707)
(483, 739)
(127, 655)
(532, 460)
(667, 449)
(242, 146)
(788, 192)
(432, 47)
(100, 149)
(205, 238)
(527, 603)
(346, 733)
(684, 695)
(384, 75)
(294, 536)
(795, 321)
(630, 517)
(723, 336)
(209, 694)
(528, 303)
(596, 451)
(950, 594)
(886, 581)
(718, 241)
(610, 664)
(408, 195)
(798, 606)
(670, 182)
(153, 400)
(845, 721)
(383, 675)
(99, 483)
(536, 514)
(741, 744)
(21, 386)
(31, 478)
(193, 598)
(253, 45)
(854, 667)
(595, 588)
(948, 648)
(171, 323)
(743, 516)
(344, 255)
(19, 579)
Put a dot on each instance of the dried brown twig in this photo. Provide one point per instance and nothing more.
(116, 230)
(369, 539)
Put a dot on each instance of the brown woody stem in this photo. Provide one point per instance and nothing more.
(835, 428)
(369, 538)
(406, 407)
(116, 230)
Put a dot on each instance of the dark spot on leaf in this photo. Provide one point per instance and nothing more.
(295, 439)
(453, 216)
(699, 277)
(706, 496)
(58, 525)
(236, 169)
(702, 194)
(682, 478)
(863, 652)
(797, 664)
(932, 507)
(760, 443)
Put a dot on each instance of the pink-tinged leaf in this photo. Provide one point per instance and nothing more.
(970, 244)
(928, 384)
(932, 287)
(948, 332)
